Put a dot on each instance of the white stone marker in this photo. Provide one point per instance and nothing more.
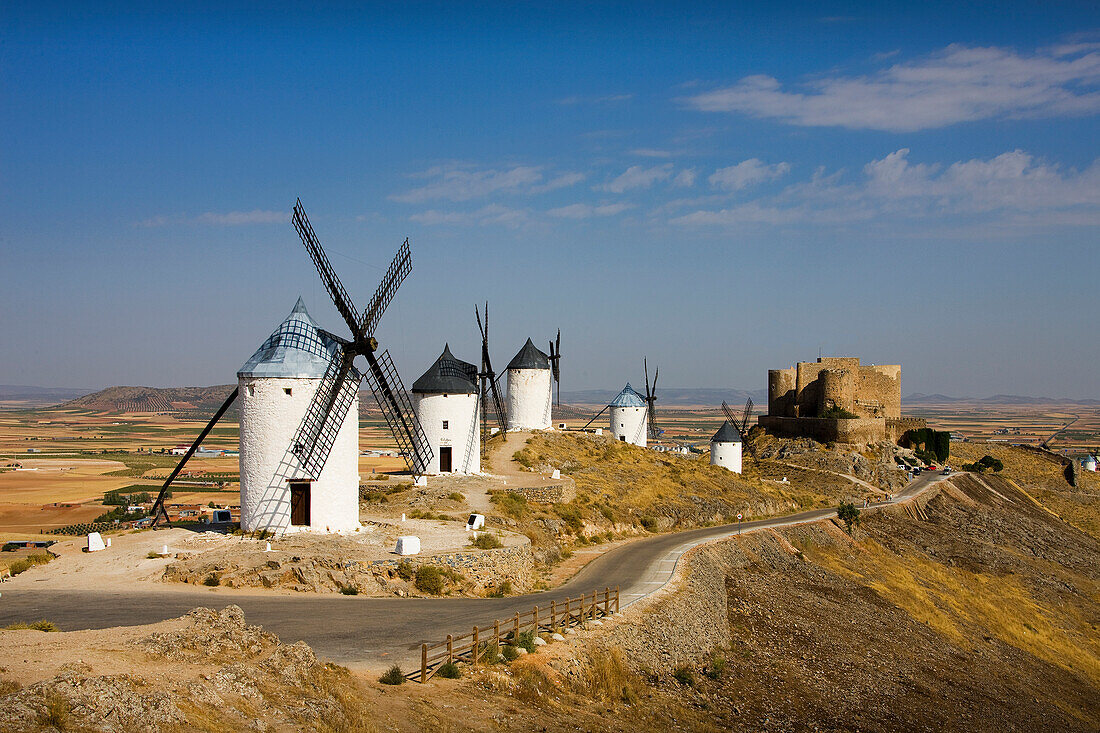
(95, 542)
(557, 473)
(408, 545)
(475, 522)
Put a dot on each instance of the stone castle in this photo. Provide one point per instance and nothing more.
(836, 399)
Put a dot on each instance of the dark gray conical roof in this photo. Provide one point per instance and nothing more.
(530, 357)
(726, 434)
(447, 375)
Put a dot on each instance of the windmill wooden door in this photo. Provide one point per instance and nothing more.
(299, 503)
(445, 459)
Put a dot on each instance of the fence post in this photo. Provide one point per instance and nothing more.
(616, 599)
(606, 601)
(536, 620)
(475, 655)
(450, 649)
(496, 634)
(553, 614)
(423, 663)
(515, 629)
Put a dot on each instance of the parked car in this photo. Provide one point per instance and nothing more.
(932, 467)
(916, 471)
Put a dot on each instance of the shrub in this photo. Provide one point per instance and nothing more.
(429, 579)
(41, 625)
(489, 653)
(984, 464)
(449, 671)
(510, 653)
(571, 515)
(649, 523)
(455, 496)
(152, 554)
(56, 713)
(511, 503)
(487, 541)
(405, 570)
(503, 589)
(212, 580)
(838, 413)
(684, 675)
(848, 514)
(349, 590)
(607, 677)
(393, 676)
(608, 513)
(717, 666)
(526, 640)
(21, 566)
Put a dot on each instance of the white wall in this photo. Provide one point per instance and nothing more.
(269, 420)
(631, 423)
(529, 399)
(463, 418)
(727, 455)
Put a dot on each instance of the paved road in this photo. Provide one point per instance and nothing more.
(372, 632)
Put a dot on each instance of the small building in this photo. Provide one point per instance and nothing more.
(1088, 463)
(529, 389)
(629, 417)
(725, 448)
(447, 404)
(179, 450)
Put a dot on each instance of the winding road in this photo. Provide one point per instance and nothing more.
(370, 633)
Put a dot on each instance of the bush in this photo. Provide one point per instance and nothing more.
(503, 589)
(684, 675)
(42, 625)
(429, 579)
(717, 666)
(985, 463)
(22, 566)
(455, 496)
(152, 555)
(510, 653)
(649, 523)
(487, 541)
(526, 640)
(511, 503)
(571, 515)
(349, 590)
(489, 653)
(393, 676)
(449, 671)
(848, 514)
(212, 580)
(405, 570)
(606, 676)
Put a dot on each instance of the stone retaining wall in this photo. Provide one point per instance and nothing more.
(557, 493)
(487, 568)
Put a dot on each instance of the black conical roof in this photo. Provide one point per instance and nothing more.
(529, 357)
(448, 375)
(726, 434)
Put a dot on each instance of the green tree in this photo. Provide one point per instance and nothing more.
(848, 514)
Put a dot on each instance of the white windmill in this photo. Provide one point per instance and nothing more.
(529, 389)
(447, 404)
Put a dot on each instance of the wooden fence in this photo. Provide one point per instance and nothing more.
(472, 646)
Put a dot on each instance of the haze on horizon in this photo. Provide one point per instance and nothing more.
(723, 190)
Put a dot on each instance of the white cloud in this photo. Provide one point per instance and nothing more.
(227, 219)
(957, 84)
(685, 178)
(1011, 190)
(651, 153)
(485, 216)
(565, 180)
(747, 173)
(637, 176)
(586, 211)
(461, 183)
(606, 99)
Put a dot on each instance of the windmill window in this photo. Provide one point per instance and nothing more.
(288, 390)
(445, 424)
(251, 390)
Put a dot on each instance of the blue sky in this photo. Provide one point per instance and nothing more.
(724, 189)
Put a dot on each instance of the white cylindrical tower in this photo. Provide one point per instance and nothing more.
(529, 395)
(277, 386)
(629, 417)
(446, 402)
(725, 448)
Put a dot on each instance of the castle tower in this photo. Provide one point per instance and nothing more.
(445, 399)
(725, 448)
(529, 395)
(276, 388)
(629, 417)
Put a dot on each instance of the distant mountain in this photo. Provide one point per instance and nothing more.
(153, 399)
(22, 391)
(672, 396)
(998, 399)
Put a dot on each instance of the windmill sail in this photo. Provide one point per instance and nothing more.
(397, 409)
(322, 422)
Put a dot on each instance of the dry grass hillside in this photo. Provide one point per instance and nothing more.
(1044, 480)
(619, 482)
